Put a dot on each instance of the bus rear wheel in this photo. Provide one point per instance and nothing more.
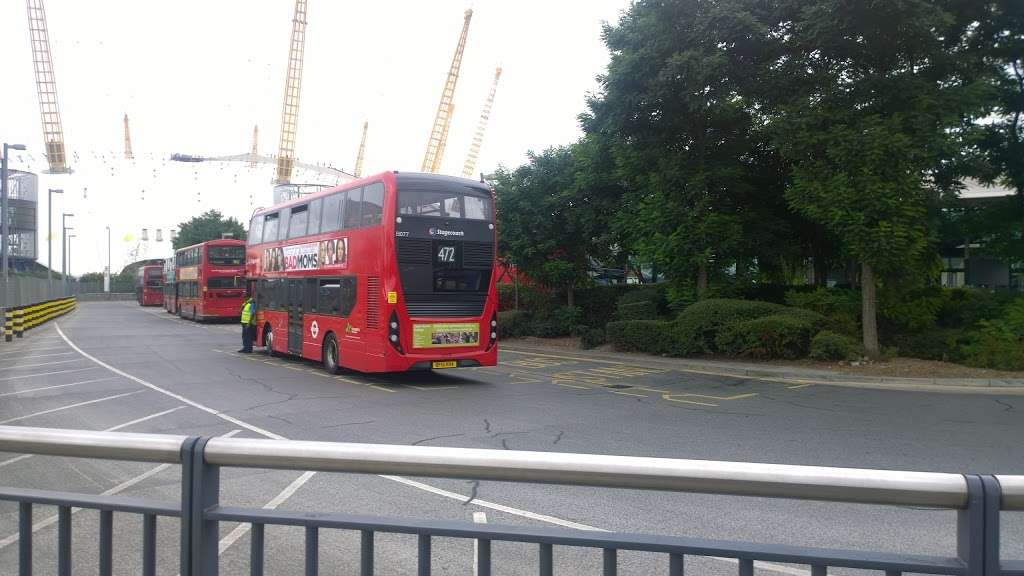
(268, 341)
(331, 364)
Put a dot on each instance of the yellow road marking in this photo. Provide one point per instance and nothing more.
(671, 399)
(630, 394)
(798, 386)
(571, 385)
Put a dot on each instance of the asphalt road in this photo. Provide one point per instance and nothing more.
(555, 401)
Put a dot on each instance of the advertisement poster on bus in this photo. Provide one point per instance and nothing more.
(445, 335)
(331, 253)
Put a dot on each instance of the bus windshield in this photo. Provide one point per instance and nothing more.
(444, 205)
(226, 255)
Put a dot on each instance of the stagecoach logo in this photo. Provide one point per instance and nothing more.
(442, 232)
(314, 329)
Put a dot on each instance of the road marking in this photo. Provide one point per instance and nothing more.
(45, 356)
(17, 392)
(557, 383)
(70, 406)
(38, 365)
(629, 394)
(412, 483)
(37, 526)
(243, 528)
(798, 386)
(429, 388)
(34, 350)
(112, 429)
(23, 376)
(478, 518)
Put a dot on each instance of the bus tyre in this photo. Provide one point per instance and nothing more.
(268, 341)
(331, 355)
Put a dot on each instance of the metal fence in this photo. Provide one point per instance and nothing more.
(22, 290)
(978, 500)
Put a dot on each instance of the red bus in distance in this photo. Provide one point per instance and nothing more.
(210, 280)
(389, 273)
(149, 285)
(170, 290)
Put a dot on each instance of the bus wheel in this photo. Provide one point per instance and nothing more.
(331, 355)
(268, 340)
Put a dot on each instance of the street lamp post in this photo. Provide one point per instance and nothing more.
(64, 251)
(109, 270)
(49, 239)
(70, 236)
(5, 216)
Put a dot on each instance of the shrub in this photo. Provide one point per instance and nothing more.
(815, 321)
(514, 324)
(828, 345)
(597, 303)
(933, 344)
(966, 308)
(905, 312)
(531, 298)
(775, 336)
(841, 306)
(557, 323)
(1000, 342)
(652, 336)
(592, 338)
(654, 293)
(641, 310)
(698, 325)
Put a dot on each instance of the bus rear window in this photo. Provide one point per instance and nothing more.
(444, 205)
(224, 282)
(226, 255)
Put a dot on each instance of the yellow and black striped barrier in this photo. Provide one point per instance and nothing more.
(18, 320)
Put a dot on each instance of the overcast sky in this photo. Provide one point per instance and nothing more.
(195, 76)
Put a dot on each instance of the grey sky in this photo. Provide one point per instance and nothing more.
(194, 77)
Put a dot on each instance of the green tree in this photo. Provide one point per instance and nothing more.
(208, 226)
(880, 96)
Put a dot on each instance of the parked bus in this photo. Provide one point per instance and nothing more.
(149, 285)
(388, 273)
(210, 280)
(170, 287)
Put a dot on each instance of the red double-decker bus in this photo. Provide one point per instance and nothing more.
(170, 287)
(388, 273)
(149, 285)
(210, 280)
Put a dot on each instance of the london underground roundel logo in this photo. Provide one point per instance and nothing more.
(314, 329)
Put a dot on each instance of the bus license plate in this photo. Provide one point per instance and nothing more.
(445, 364)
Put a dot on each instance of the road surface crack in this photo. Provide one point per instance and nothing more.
(487, 426)
(472, 494)
(558, 437)
(1007, 406)
(348, 424)
(418, 442)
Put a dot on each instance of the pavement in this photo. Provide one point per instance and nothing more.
(115, 365)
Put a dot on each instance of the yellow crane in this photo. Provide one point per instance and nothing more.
(46, 85)
(481, 127)
(255, 139)
(292, 87)
(362, 151)
(127, 140)
(442, 120)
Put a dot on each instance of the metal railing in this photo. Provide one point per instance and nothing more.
(978, 500)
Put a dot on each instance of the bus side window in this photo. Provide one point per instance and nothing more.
(282, 225)
(272, 294)
(297, 226)
(352, 205)
(270, 227)
(348, 295)
(255, 230)
(327, 296)
(373, 204)
(309, 296)
(331, 215)
(314, 217)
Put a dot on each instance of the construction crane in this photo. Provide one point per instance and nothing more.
(362, 151)
(46, 85)
(127, 140)
(292, 87)
(255, 139)
(481, 127)
(442, 120)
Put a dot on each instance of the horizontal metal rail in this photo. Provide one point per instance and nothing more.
(705, 476)
(88, 444)
(1013, 492)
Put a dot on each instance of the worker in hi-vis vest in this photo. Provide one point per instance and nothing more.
(248, 325)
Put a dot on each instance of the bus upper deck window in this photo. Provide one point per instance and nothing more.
(477, 208)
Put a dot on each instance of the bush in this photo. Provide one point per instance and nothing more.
(828, 345)
(815, 321)
(966, 308)
(642, 310)
(597, 303)
(592, 338)
(775, 336)
(652, 336)
(557, 323)
(1000, 342)
(698, 325)
(840, 305)
(933, 344)
(654, 293)
(514, 324)
(531, 298)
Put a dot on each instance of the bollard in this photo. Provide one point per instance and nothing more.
(8, 325)
(19, 323)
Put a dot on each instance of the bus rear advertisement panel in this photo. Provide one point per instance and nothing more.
(364, 277)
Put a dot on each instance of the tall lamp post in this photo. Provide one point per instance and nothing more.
(70, 236)
(109, 270)
(5, 216)
(64, 251)
(49, 239)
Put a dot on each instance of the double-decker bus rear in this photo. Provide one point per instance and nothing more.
(389, 273)
(170, 286)
(149, 285)
(211, 280)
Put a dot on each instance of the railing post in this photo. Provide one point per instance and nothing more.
(187, 454)
(205, 495)
(993, 505)
(970, 528)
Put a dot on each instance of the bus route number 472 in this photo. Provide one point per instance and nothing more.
(446, 254)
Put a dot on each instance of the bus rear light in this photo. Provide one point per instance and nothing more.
(394, 333)
(494, 331)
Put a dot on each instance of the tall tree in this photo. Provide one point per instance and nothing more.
(879, 95)
(208, 226)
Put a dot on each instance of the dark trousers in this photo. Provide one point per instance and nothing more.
(248, 334)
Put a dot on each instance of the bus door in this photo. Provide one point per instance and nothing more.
(294, 307)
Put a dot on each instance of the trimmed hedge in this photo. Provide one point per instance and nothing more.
(698, 325)
(557, 323)
(514, 324)
(828, 345)
(775, 336)
(934, 344)
(592, 338)
(641, 310)
(651, 336)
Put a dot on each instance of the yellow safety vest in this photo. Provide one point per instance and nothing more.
(246, 312)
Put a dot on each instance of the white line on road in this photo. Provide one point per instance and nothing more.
(38, 365)
(70, 406)
(45, 356)
(17, 392)
(19, 353)
(243, 529)
(295, 485)
(23, 376)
